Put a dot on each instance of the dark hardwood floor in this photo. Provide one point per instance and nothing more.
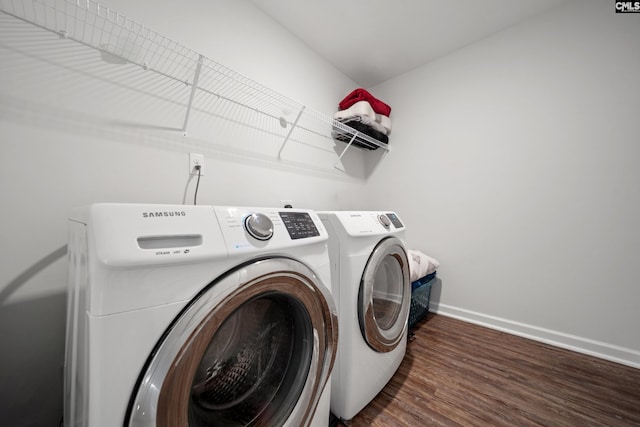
(457, 373)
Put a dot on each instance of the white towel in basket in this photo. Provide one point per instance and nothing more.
(420, 264)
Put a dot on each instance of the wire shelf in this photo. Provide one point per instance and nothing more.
(123, 40)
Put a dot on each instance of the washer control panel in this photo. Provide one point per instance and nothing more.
(259, 226)
(249, 229)
(299, 225)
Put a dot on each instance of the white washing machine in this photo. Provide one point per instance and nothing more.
(372, 290)
(198, 315)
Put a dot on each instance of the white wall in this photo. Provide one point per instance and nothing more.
(75, 130)
(515, 164)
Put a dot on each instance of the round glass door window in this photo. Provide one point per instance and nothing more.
(254, 348)
(388, 290)
(385, 296)
(255, 367)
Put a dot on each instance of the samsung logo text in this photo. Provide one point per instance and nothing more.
(163, 214)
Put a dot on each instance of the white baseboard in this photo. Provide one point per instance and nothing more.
(625, 356)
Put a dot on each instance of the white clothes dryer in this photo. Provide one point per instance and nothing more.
(372, 290)
(198, 315)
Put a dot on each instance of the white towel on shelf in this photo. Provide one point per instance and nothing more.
(420, 264)
(385, 121)
(365, 120)
(363, 112)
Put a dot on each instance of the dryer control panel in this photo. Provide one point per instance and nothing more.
(394, 220)
(365, 223)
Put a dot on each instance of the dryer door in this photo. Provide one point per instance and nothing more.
(384, 298)
(254, 348)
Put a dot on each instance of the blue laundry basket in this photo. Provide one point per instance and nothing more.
(420, 294)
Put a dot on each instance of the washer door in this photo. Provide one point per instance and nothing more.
(384, 298)
(254, 348)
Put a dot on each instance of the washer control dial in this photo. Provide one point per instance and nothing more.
(384, 221)
(259, 226)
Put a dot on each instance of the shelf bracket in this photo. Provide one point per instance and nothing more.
(293, 126)
(194, 87)
(353, 138)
